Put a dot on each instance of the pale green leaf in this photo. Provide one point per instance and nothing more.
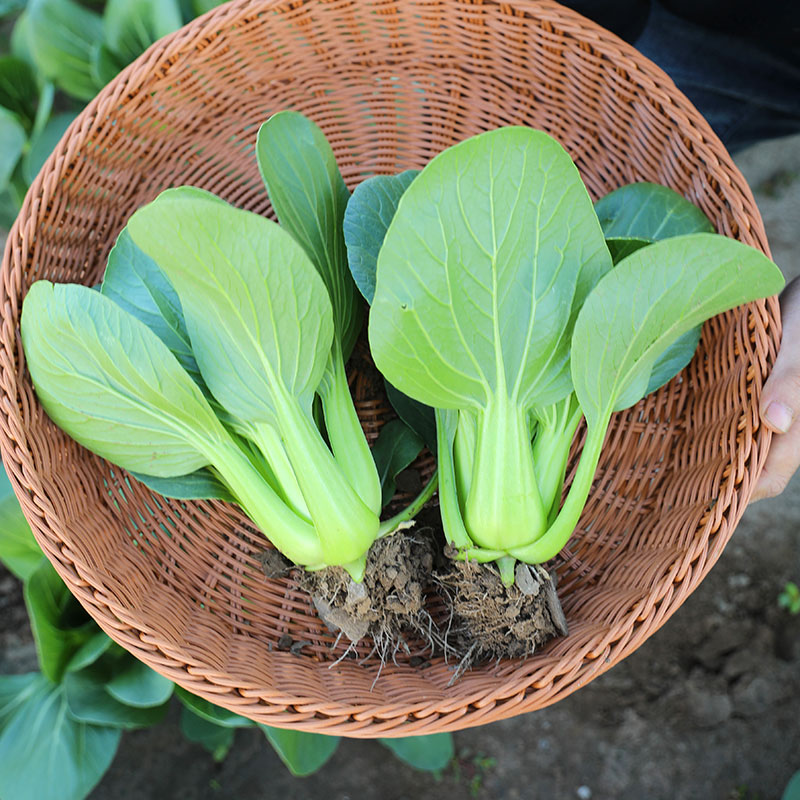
(369, 212)
(45, 754)
(490, 254)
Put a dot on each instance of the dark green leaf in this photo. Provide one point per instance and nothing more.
(210, 712)
(43, 144)
(9, 208)
(105, 64)
(202, 6)
(62, 35)
(60, 626)
(419, 417)
(430, 753)
(139, 686)
(135, 282)
(199, 485)
(303, 753)
(12, 143)
(309, 196)
(18, 90)
(18, 549)
(217, 739)
(396, 447)
(792, 790)
(131, 26)
(88, 701)
(619, 248)
(88, 653)
(366, 220)
(44, 753)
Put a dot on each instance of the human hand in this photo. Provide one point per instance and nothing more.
(780, 402)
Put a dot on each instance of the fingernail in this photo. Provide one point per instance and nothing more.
(779, 416)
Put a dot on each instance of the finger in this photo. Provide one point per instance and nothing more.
(782, 462)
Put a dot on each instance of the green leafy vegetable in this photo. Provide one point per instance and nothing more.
(496, 304)
(12, 143)
(395, 449)
(430, 753)
(19, 93)
(131, 26)
(302, 752)
(43, 143)
(18, 549)
(210, 712)
(217, 739)
(140, 686)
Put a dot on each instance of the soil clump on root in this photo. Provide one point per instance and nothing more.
(492, 621)
(390, 601)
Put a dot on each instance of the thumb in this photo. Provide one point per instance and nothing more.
(780, 401)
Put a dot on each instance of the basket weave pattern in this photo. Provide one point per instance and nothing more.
(392, 83)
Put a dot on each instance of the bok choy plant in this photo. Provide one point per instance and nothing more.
(496, 303)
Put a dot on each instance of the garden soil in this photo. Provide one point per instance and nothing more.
(707, 709)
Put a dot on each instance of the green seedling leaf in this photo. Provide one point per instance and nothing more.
(395, 449)
(369, 212)
(43, 144)
(199, 485)
(430, 753)
(12, 143)
(61, 35)
(210, 712)
(60, 626)
(88, 653)
(18, 548)
(135, 282)
(309, 196)
(217, 739)
(108, 380)
(636, 215)
(131, 26)
(89, 702)
(45, 754)
(140, 686)
(419, 417)
(19, 93)
(303, 753)
(651, 299)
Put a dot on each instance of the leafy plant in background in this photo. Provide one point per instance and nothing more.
(60, 726)
(789, 598)
(62, 53)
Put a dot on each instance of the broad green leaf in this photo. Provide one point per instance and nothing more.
(647, 302)
(61, 35)
(45, 754)
(131, 26)
(112, 384)
(430, 753)
(309, 196)
(20, 39)
(11, 7)
(210, 712)
(648, 212)
(43, 144)
(199, 485)
(303, 753)
(18, 548)
(105, 64)
(9, 208)
(256, 311)
(88, 701)
(490, 254)
(59, 624)
(792, 790)
(88, 653)
(12, 143)
(396, 447)
(419, 417)
(217, 739)
(620, 248)
(202, 6)
(134, 282)
(18, 90)
(366, 220)
(138, 685)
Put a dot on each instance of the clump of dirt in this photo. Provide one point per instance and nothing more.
(491, 620)
(389, 603)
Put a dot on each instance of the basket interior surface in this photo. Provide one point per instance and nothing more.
(391, 84)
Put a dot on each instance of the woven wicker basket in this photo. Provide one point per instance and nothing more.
(392, 82)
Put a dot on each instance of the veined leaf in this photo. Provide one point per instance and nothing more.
(61, 35)
(44, 753)
(302, 752)
(494, 235)
(309, 196)
(653, 297)
(369, 212)
(112, 384)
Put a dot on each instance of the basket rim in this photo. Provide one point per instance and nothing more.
(512, 693)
